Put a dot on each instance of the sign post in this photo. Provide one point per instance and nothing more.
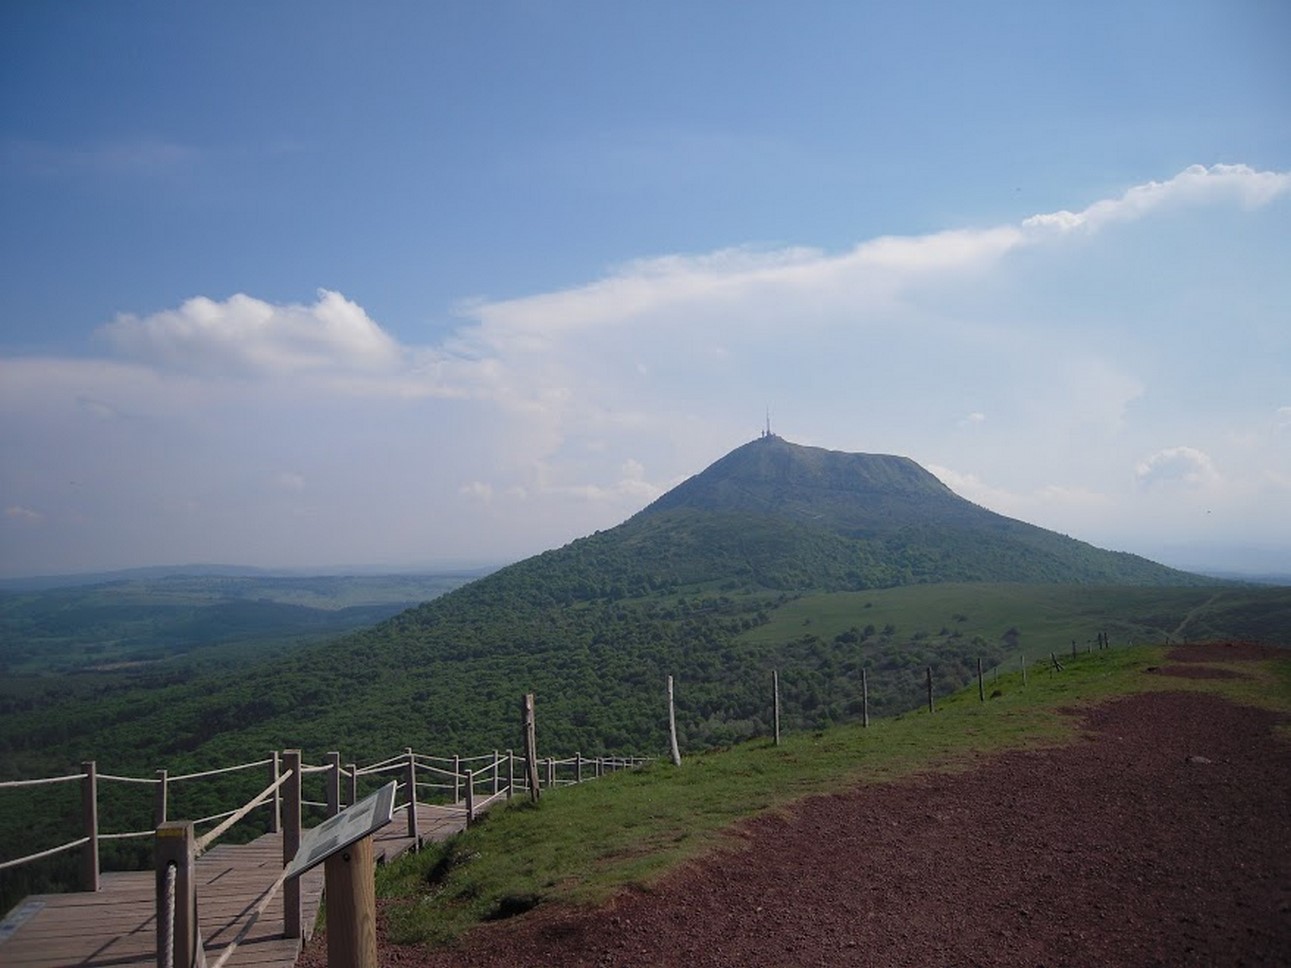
(343, 843)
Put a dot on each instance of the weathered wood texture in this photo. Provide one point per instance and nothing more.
(115, 925)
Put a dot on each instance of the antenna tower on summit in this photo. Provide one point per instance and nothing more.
(766, 434)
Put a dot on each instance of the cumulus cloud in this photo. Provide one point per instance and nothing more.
(1194, 185)
(243, 335)
(1177, 466)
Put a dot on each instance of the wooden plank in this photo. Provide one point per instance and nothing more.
(114, 927)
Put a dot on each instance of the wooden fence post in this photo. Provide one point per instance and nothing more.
(865, 698)
(90, 826)
(352, 785)
(775, 703)
(470, 798)
(457, 779)
(551, 772)
(410, 781)
(351, 906)
(291, 913)
(530, 746)
(511, 774)
(578, 766)
(159, 799)
(333, 783)
(672, 727)
(981, 685)
(176, 895)
(497, 768)
(1023, 660)
(931, 707)
(275, 802)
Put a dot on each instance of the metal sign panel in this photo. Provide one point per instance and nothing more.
(349, 826)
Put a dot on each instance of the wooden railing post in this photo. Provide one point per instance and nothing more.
(457, 779)
(470, 798)
(775, 703)
(530, 733)
(410, 782)
(275, 802)
(551, 772)
(159, 799)
(333, 783)
(90, 826)
(931, 707)
(291, 912)
(352, 785)
(511, 774)
(497, 767)
(578, 767)
(672, 727)
(176, 894)
(865, 698)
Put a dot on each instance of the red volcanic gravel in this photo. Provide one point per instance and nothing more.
(1199, 672)
(1161, 838)
(1226, 652)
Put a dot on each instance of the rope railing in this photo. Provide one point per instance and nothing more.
(42, 780)
(223, 769)
(45, 853)
(127, 836)
(132, 779)
(208, 838)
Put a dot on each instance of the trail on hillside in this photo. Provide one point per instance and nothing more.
(1159, 838)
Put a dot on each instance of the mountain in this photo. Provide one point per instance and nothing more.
(776, 515)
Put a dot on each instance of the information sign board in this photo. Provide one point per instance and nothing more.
(349, 826)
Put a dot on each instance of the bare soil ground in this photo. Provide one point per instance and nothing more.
(1160, 839)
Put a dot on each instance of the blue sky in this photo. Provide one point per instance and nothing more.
(322, 284)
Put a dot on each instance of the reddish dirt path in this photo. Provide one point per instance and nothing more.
(1161, 839)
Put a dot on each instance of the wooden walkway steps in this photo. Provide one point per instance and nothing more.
(116, 926)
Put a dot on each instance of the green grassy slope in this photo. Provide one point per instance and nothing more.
(580, 844)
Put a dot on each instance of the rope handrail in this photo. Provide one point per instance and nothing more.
(129, 779)
(314, 769)
(222, 769)
(42, 780)
(44, 853)
(397, 760)
(267, 898)
(400, 764)
(431, 760)
(215, 816)
(127, 836)
(206, 839)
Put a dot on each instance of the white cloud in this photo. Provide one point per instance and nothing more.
(1194, 185)
(243, 335)
(1177, 466)
(972, 419)
(23, 515)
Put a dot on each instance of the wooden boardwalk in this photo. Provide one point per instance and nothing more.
(116, 926)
